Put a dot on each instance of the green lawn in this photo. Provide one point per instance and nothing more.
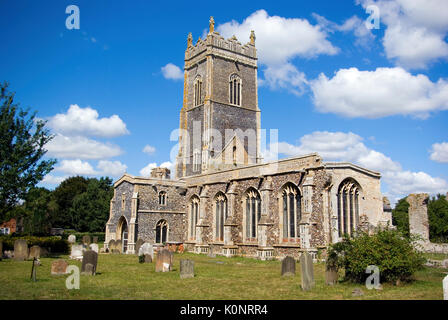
(122, 277)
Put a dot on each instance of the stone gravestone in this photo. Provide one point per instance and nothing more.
(146, 248)
(20, 250)
(306, 263)
(210, 252)
(138, 244)
(34, 252)
(288, 266)
(86, 240)
(90, 257)
(445, 288)
(59, 267)
(94, 247)
(95, 239)
(186, 269)
(148, 258)
(111, 245)
(331, 275)
(164, 261)
(71, 238)
(77, 251)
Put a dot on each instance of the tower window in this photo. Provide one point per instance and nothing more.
(235, 90)
(162, 198)
(198, 91)
(197, 161)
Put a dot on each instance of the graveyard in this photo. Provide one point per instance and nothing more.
(121, 276)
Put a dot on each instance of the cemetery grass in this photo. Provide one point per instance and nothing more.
(122, 277)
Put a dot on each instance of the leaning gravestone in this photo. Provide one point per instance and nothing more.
(71, 238)
(86, 240)
(306, 263)
(90, 257)
(146, 248)
(186, 269)
(77, 251)
(288, 266)
(94, 247)
(138, 244)
(20, 250)
(164, 261)
(331, 275)
(34, 252)
(59, 267)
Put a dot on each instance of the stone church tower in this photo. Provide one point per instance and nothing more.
(220, 118)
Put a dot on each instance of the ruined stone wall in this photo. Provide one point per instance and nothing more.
(418, 215)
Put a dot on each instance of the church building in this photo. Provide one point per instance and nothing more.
(224, 198)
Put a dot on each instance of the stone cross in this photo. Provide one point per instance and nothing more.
(306, 263)
(71, 238)
(20, 250)
(90, 257)
(59, 267)
(288, 266)
(164, 261)
(445, 288)
(186, 269)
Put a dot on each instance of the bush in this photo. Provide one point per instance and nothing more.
(53, 244)
(394, 255)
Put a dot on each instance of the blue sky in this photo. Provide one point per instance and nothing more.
(374, 97)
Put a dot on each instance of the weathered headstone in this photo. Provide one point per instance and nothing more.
(20, 250)
(138, 244)
(94, 247)
(118, 245)
(90, 257)
(288, 266)
(306, 263)
(146, 248)
(164, 261)
(71, 238)
(59, 267)
(148, 258)
(77, 251)
(331, 276)
(95, 239)
(86, 240)
(186, 269)
(89, 270)
(445, 288)
(34, 252)
(111, 245)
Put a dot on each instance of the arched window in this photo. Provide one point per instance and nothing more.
(196, 161)
(198, 91)
(162, 198)
(220, 215)
(291, 212)
(253, 213)
(348, 206)
(235, 86)
(161, 231)
(193, 217)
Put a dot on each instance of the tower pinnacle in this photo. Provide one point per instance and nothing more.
(212, 24)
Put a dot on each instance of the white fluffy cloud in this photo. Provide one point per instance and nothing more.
(349, 147)
(76, 167)
(111, 168)
(439, 152)
(416, 30)
(81, 148)
(171, 71)
(53, 180)
(279, 40)
(379, 93)
(86, 122)
(149, 149)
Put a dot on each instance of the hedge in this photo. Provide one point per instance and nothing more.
(54, 244)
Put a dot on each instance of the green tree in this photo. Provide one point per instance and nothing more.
(63, 197)
(37, 209)
(400, 216)
(90, 209)
(438, 218)
(22, 141)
